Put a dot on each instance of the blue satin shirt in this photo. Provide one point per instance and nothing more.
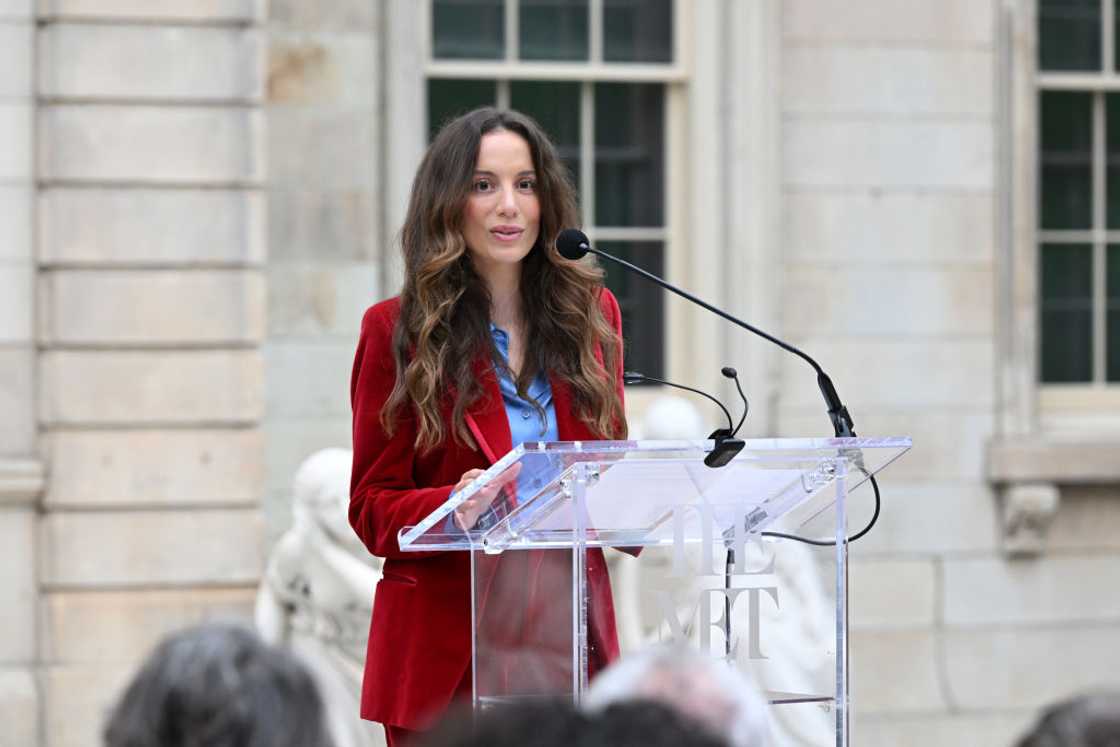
(525, 422)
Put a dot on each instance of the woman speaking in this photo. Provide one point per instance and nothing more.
(494, 340)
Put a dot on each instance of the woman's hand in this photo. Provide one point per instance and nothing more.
(469, 510)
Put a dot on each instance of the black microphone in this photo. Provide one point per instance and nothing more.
(726, 445)
(574, 244)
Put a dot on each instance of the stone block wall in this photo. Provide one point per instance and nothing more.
(150, 318)
(889, 172)
(324, 218)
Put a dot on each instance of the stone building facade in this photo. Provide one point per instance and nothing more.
(198, 199)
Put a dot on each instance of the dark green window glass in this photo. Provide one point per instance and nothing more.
(555, 106)
(448, 98)
(638, 30)
(1112, 313)
(468, 29)
(1069, 35)
(553, 30)
(1116, 32)
(1066, 310)
(1065, 159)
(642, 303)
(1112, 159)
(629, 154)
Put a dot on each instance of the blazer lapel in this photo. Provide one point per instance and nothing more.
(569, 427)
(486, 418)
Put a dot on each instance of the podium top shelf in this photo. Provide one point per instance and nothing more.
(633, 493)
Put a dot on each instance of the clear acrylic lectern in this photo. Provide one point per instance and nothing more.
(700, 557)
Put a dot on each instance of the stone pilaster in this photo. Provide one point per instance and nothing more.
(150, 317)
(324, 122)
(21, 473)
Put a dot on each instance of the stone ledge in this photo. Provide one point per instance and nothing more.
(21, 481)
(1048, 459)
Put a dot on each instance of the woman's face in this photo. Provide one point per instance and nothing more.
(501, 221)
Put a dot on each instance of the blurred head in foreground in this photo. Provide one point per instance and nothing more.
(218, 685)
(1084, 721)
(703, 688)
(556, 723)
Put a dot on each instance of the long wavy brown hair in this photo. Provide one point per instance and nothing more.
(444, 324)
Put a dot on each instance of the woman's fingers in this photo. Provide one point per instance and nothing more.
(469, 510)
(489, 492)
(467, 478)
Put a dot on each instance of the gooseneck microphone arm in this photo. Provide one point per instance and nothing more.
(573, 244)
(732, 374)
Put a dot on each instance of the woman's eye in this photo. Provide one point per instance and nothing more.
(527, 184)
(482, 185)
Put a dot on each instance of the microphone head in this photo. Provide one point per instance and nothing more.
(632, 377)
(729, 372)
(572, 243)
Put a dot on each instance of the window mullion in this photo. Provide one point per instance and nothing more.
(1108, 37)
(1100, 315)
(1100, 154)
(595, 30)
(502, 92)
(587, 154)
(513, 30)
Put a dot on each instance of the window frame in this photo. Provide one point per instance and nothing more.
(673, 76)
(1045, 435)
(1026, 403)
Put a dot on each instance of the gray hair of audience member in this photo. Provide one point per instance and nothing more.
(218, 685)
(1091, 720)
(703, 688)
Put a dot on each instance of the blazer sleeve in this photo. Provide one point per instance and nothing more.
(384, 496)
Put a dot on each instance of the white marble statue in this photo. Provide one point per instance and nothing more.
(317, 593)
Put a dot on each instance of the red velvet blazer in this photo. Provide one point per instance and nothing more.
(419, 643)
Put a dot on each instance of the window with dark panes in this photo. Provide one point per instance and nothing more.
(602, 101)
(1079, 191)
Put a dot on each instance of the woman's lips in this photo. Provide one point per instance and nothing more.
(507, 233)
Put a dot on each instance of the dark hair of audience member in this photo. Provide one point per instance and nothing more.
(556, 723)
(218, 685)
(1084, 721)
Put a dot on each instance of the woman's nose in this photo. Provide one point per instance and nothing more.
(507, 202)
